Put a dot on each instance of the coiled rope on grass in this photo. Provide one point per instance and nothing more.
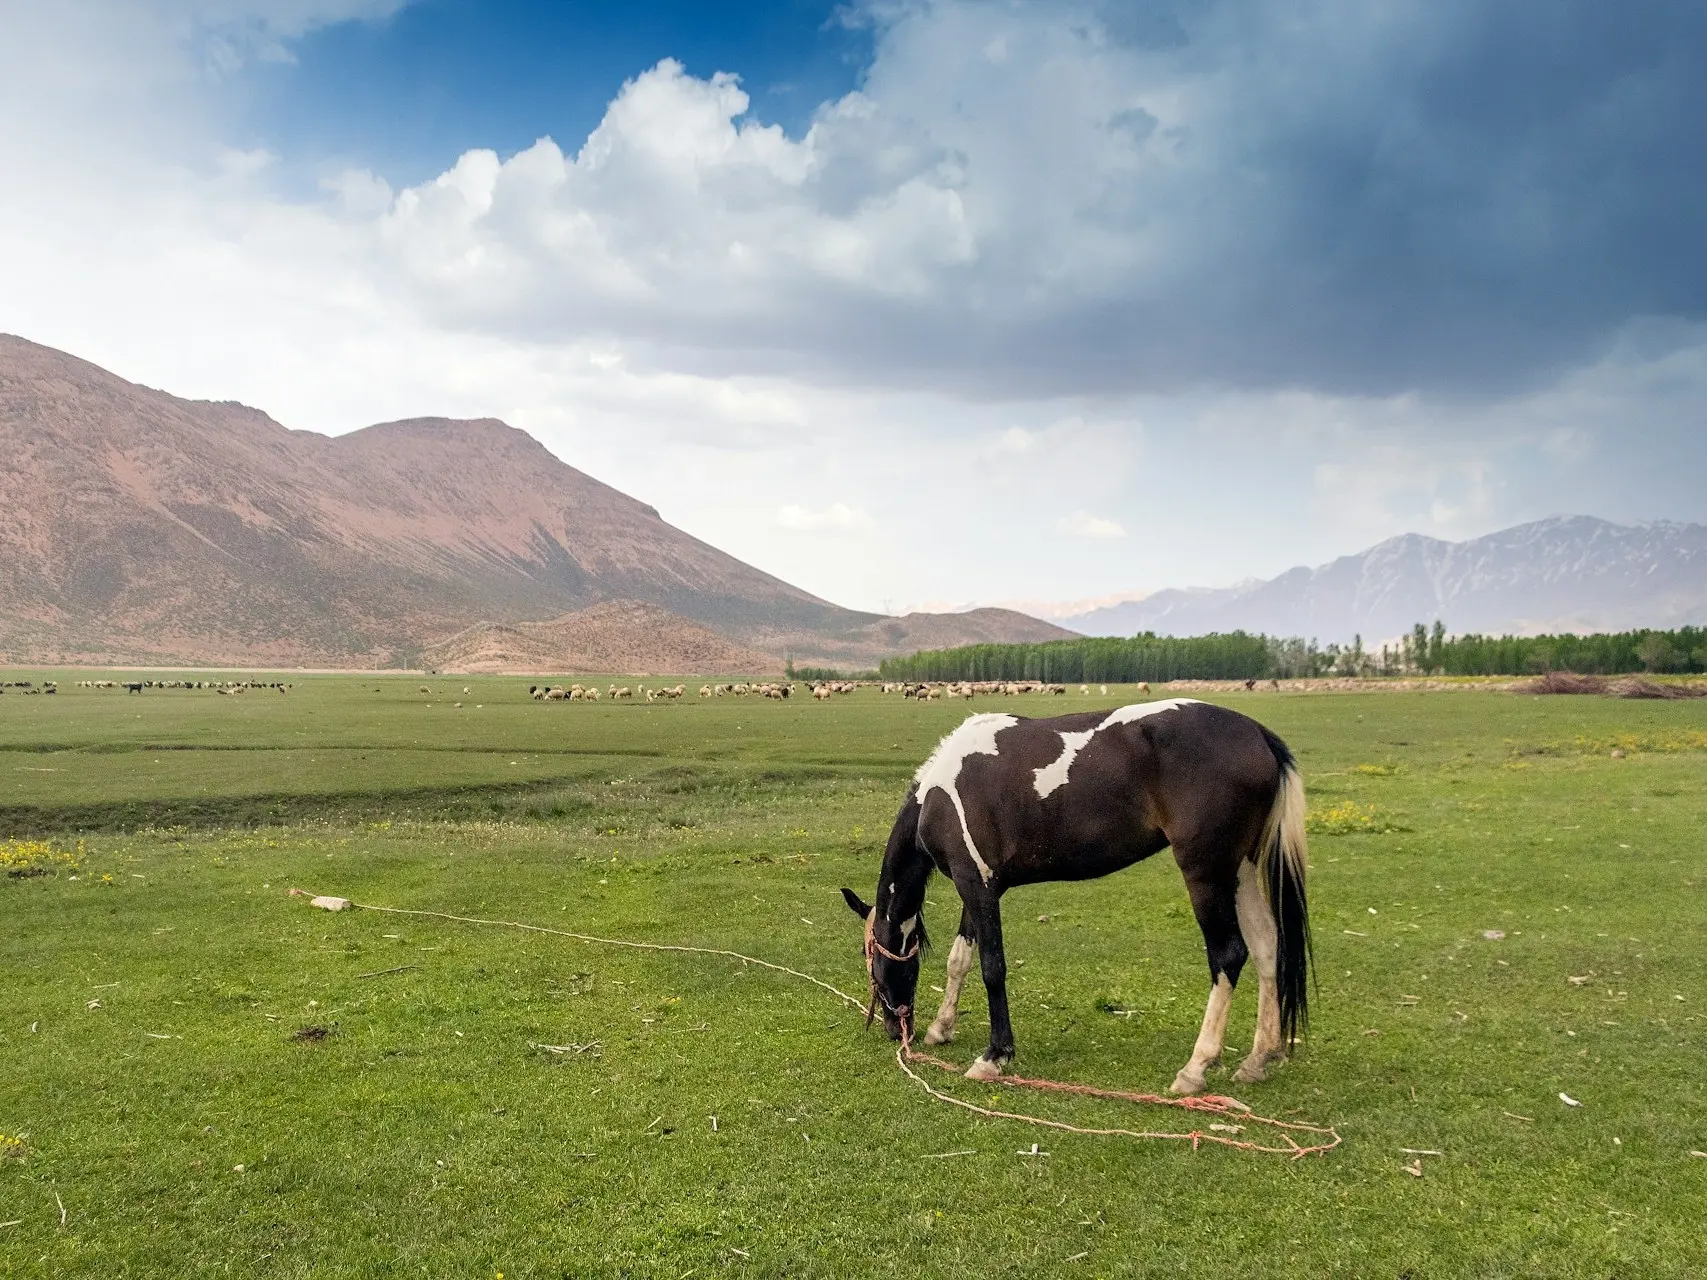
(905, 1056)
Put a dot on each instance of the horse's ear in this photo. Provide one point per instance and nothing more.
(855, 905)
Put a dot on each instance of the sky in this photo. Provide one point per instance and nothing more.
(921, 304)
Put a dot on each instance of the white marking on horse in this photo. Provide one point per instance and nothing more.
(1207, 1050)
(1262, 940)
(1053, 776)
(976, 736)
(907, 927)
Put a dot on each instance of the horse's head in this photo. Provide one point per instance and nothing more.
(891, 963)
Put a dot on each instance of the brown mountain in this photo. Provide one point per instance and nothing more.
(135, 526)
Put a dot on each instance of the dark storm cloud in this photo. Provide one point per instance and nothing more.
(1496, 190)
(1446, 196)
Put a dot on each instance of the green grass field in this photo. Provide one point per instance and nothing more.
(153, 987)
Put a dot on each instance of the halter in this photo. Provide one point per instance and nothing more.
(873, 949)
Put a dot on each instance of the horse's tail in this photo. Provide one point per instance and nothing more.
(1281, 861)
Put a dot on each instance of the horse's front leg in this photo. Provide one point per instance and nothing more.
(986, 913)
(941, 1031)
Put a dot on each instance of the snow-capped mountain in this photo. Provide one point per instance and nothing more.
(1569, 573)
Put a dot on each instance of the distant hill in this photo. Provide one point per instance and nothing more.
(622, 636)
(1572, 573)
(868, 643)
(138, 527)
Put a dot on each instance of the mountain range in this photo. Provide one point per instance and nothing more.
(1569, 573)
(137, 527)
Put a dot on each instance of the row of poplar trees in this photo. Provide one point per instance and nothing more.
(1240, 655)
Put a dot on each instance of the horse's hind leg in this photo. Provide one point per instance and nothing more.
(941, 1031)
(1215, 905)
(1256, 922)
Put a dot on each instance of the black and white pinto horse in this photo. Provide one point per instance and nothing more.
(1006, 801)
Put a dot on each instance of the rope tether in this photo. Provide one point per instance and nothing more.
(906, 1055)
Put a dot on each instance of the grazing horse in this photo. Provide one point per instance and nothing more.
(1006, 801)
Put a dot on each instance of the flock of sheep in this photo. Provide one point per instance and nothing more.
(666, 693)
(218, 686)
(29, 686)
(930, 690)
(820, 691)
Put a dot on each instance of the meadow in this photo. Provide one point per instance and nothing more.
(200, 1075)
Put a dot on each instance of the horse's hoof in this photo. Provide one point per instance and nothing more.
(1186, 1083)
(936, 1035)
(983, 1069)
(1252, 1070)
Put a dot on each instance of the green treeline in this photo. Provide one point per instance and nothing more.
(1238, 655)
(1234, 656)
(1624, 652)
